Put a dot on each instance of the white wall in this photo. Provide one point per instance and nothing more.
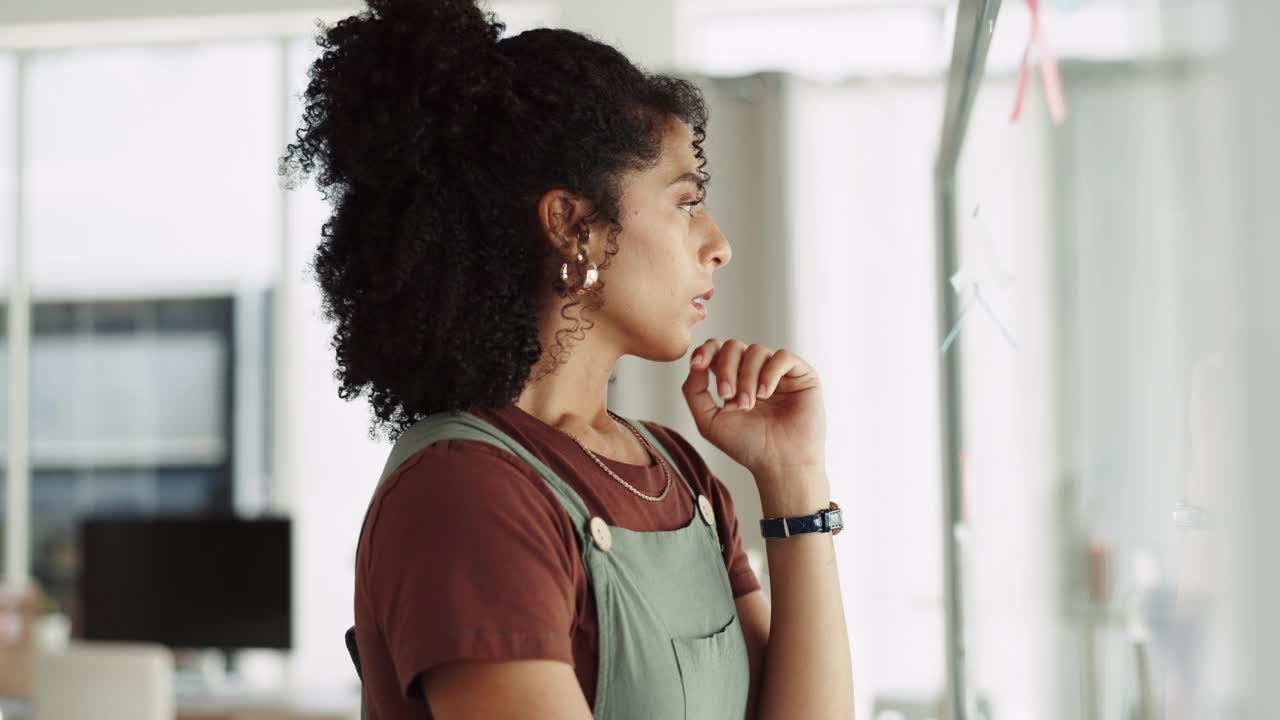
(183, 217)
(15, 12)
(861, 226)
(646, 31)
(1256, 148)
(328, 468)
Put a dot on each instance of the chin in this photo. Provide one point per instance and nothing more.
(664, 354)
(667, 348)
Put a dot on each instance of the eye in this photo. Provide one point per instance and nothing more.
(692, 206)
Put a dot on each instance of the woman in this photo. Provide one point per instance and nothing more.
(511, 216)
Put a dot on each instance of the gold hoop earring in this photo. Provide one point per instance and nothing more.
(590, 273)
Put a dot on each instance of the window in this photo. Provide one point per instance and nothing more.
(151, 218)
(131, 407)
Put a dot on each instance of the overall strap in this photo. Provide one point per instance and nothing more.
(461, 425)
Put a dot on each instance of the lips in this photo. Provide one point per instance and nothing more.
(699, 302)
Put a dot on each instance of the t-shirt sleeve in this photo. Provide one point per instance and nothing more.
(467, 556)
(741, 577)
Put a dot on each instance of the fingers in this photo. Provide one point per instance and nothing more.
(701, 357)
(695, 387)
(781, 364)
(749, 367)
(725, 366)
(744, 374)
(737, 368)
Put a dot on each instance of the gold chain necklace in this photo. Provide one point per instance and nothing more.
(647, 448)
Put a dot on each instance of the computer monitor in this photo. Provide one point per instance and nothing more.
(186, 582)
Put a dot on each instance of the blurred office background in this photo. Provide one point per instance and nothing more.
(165, 357)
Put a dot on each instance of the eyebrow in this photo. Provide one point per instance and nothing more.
(693, 177)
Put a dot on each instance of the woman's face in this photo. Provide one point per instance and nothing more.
(667, 251)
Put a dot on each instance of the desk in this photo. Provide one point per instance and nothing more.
(259, 705)
(266, 713)
(132, 681)
(16, 709)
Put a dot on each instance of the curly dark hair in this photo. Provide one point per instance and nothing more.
(433, 140)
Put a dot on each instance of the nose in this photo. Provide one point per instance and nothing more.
(715, 245)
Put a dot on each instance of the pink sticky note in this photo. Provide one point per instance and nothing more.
(1050, 76)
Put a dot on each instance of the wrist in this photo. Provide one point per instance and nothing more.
(793, 492)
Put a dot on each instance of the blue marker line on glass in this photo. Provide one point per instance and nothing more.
(955, 330)
(1007, 335)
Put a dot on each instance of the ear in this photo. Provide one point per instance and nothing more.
(561, 215)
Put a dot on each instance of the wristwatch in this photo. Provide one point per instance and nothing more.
(830, 520)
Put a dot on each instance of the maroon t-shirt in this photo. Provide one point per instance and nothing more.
(467, 553)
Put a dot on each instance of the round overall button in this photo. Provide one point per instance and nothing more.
(600, 534)
(708, 513)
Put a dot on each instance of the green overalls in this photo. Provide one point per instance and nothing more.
(670, 645)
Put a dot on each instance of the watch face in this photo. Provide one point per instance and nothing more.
(835, 519)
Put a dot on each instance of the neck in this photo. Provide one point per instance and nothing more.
(578, 413)
(575, 397)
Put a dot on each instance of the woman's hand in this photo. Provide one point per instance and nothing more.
(773, 421)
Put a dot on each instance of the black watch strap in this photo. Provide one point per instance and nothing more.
(830, 520)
